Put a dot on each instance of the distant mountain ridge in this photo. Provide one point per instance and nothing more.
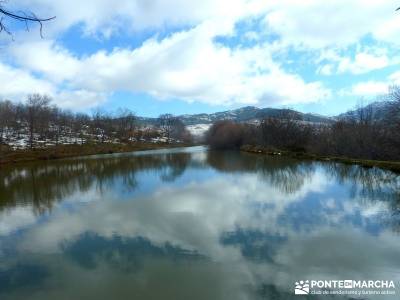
(378, 110)
(198, 124)
(244, 114)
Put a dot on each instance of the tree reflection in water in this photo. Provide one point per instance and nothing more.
(288, 175)
(235, 226)
(43, 184)
(370, 185)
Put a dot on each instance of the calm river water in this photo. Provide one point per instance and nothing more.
(192, 224)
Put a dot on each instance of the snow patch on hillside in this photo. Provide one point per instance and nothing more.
(198, 130)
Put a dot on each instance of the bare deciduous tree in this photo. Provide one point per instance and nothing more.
(165, 123)
(369, 132)
(6, 119)
(25, 17)
(173, 128)
(225, 135)
(285, 131)
(35, 111)
(126, 124)
(37, 122)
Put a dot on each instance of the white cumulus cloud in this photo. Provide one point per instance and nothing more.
(187, 65)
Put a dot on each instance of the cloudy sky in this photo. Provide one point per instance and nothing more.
(189, 56)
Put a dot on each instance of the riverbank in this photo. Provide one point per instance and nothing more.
(9, 156)
(387, 165)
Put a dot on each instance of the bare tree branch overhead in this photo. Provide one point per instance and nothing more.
(20, 16)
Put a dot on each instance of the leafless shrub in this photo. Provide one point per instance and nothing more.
(225, 135)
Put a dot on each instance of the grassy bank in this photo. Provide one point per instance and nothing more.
(387, 165)
(8, 156)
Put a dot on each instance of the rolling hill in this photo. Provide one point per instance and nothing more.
(244, 114)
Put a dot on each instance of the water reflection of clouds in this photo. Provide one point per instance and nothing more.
(263, 227)
(190, 218)
(205, 210)
(182, 216)
(16, 218)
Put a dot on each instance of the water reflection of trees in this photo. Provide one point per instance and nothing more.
(287, 174)
(41, 185)
(174, 168)
(369, 184)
